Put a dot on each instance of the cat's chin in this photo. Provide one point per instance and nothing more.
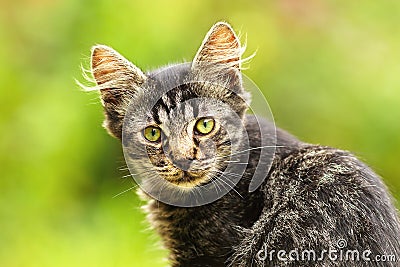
(189, 180)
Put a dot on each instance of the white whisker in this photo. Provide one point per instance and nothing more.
(229, 185)
(127, 190)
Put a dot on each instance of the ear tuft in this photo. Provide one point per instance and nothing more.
(220, 46)
(109, 67)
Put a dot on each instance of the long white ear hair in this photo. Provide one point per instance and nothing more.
(111, 70)
(220, 46)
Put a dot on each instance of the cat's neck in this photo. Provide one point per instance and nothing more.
(213, 227)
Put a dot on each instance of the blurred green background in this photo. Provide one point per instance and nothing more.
(329, 69)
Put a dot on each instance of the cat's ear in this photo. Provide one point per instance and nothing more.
(118, 80)
(219, 61)
(220, 47)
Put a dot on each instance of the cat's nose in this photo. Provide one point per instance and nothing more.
(180, 162)
(183, 164)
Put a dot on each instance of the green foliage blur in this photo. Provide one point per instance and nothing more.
(329, 69)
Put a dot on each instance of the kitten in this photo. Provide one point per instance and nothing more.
(312, 198)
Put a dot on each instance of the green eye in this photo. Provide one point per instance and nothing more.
(205, 125)
(152, 133)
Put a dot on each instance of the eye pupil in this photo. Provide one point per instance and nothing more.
(204, 125)
(152, 133)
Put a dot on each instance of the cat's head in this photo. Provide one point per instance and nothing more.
(181, 121)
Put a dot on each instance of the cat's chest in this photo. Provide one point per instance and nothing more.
(208, 227)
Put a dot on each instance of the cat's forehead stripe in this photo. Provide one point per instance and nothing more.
(171, 101)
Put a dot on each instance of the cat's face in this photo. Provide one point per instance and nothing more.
(180, 122)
